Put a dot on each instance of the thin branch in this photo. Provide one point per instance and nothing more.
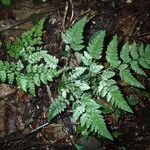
(72, 10)
(64, 18)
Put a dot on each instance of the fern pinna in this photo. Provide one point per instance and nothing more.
(32, 65)
(90, 78)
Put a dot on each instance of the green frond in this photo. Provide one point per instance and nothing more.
(87, 112)
(134, 51)
(82, 85)
(78, 109)
(34, 57)
(78, 71)
(31, 87)
(3, 76)
(112, 54)
(95, 123)
(57, 106)
(41, 73)
(11, 78)
(127, 77)
(8, 71)
(141, 49)
(147, 53)
(74, 35)
(33, 36)
(143, 63)
(86, 59)
(28, 40)
(136, 68)
(50, 60)
(95, 68)
(22, 82)
(81, 82)
(95, 46)
(107, 74)
(125, 53)
(108, 88)
(118, 100)
(101, 86)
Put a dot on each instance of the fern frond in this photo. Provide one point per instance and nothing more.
(95, 46)
(134, 51)
(143, 63)
(125, 53)
(41, 73)
(118, 100)
(147, 53)
(95, 68)
(78, 72)
(10, 70)
(89, 115)
(27, 42)
(57, 106)
(31, 87)
(136, 68)
(141, 49)
(33, 37)
(107, 74)
(78, 109)
(109, 89)
(86, 59)
(73, 36)
(82, 85)
(129, 78)
(95, 122)
(112, 54)
(22, 81)
(35, 57)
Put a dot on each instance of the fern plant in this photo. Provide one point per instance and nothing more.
(32, 65)
(91, 78)
(92, 74)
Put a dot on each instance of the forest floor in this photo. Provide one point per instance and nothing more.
(23, 118)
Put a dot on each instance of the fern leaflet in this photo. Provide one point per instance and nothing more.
(95, 46)
(57, 106)
(129, 78)
(73, 36)
(111, 53)
(125, 53)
